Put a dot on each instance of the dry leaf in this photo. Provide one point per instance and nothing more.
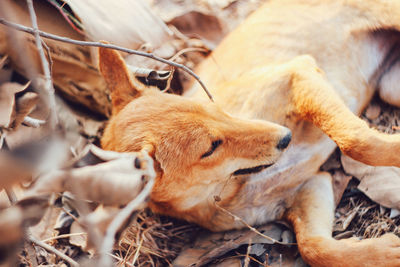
(101, 219)
(339, 182)
(26, 135)
(229, 12)
(5, 73)
(31, 111)
(7, 102)
(211, 246)
(78, 235)
(128, 23)
(200, 25)
(394, 213)
(26, 212)
(13, 170)
(116, 181)
(46, 227)
(74, 72)
(228, 262)
(33, 209)
(24, 106)
(77, 125)
(381, 184)
(11, 225)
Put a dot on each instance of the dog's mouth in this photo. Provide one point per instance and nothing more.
(252, 170)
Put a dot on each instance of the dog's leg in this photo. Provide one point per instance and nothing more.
(312, 216)
(315, 100)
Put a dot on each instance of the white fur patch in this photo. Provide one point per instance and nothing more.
(389, 85)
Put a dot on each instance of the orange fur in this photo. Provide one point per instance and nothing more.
(311, 66)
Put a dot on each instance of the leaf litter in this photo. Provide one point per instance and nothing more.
(75, 225)
(370, 203)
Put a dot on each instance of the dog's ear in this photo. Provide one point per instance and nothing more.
(123, 86)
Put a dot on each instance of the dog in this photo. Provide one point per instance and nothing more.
(289, 84)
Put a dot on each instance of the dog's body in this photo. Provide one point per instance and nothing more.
(307, 65)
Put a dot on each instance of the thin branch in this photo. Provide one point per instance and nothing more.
(48, 54)
(136, 256)
(111, 46)
(45, 66)
(53, 250)
(3, 61)
(12, 197)
(124, 214)
(2, 138)
(237, 218)
(120, 260)
(188, 49)
(247, 258)
(63, 236)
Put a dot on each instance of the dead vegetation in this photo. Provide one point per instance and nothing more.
(64, 200)
(366, 218)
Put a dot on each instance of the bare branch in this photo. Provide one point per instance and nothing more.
(188, 49)
(45, 66)
(53, 250)
(63, 236)
(237, 218)
(111, 46)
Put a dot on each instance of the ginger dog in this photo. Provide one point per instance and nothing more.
(309, 65)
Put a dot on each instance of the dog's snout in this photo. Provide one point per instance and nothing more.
(284, 142)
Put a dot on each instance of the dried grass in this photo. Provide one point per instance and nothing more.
(365, 218)
(359, 216)
(153, 240)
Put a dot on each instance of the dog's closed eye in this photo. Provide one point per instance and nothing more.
(213, 147)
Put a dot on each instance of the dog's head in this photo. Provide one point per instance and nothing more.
(196, 146)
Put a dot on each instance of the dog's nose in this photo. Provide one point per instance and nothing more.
(284, 142)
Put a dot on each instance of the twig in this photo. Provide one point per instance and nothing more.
(247, 258)
(136, 256)
(266, 262)
(51, 63)
(3, 61)
(250, 227)
(188, 49)
(12, 197)
(53, 250)
(63, 236)
(2, 138)
(120, 259)
(124, 214)
(111, 46)
(45, 66)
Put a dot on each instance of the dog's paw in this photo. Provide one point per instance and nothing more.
(374, 252)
